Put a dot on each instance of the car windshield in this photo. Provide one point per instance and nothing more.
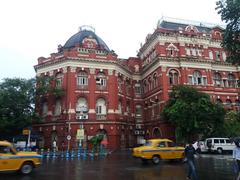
(148, 143)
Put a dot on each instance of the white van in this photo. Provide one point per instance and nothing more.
(200, 147)
(219, 144)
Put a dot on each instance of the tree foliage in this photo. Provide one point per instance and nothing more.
(193, 113)
(232, 124)
(45, 87)
(230, 13)
(17, 99)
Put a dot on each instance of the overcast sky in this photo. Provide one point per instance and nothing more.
(33, 28)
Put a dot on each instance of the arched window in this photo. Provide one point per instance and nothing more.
(138, 111)
(231, 80)
(145, 86)
(228, 103)
(210, 55)
(82, 79)
(191, 28)
(137, 88)
(120, 107)
(224, 56)
(58, 108)
(155, 80)
(128, 107)
(217, 79)
(237, 103)
(128, 87)
(149, 83)
(101, 79)
(156, 133)
(81, 105)
(59, 79)
(219, 101)
(82, 108)
(44, 109)
(173, 77)
(218, 56)
(101, 107)
(197, 78)
(120, 82)
(172, 50)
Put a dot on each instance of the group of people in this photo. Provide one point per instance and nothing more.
(190, 153)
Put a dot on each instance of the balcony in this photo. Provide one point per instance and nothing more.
(82, 87)
(101, 88)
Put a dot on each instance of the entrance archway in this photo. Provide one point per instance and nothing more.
(157, 133)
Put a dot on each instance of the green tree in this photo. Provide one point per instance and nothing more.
(232, 124)
(45, 87)
(230, 13)
(17, 98)
(193, 113)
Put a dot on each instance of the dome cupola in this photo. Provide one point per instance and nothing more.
(87, 38)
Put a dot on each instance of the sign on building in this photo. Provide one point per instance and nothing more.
(80, 134)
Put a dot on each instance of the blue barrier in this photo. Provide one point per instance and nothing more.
(78, 153)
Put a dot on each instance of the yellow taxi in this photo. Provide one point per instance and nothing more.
(12, 160)
(157, 149)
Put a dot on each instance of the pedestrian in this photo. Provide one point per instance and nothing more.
(54, 145)
(236, 158)
(62, 145)
(189, 155)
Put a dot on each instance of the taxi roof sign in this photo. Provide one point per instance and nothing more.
(26, 131)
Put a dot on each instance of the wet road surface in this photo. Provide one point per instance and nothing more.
(122, 166)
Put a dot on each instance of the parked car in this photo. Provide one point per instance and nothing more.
(157, 149)
(12, 160)
(219, 145)
(200, 147)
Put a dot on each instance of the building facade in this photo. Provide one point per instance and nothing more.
(95, 92)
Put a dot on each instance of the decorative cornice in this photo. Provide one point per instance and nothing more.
(51, 65)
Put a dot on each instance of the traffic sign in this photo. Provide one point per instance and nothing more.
(80, 134)
(68, 137)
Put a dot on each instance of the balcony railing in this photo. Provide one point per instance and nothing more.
(100, 87)
(82, 87)
(101, 116)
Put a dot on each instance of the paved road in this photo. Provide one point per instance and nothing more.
(121, 166)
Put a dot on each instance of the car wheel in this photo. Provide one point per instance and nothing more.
(26, 168)
(219, 150)
(156, 159)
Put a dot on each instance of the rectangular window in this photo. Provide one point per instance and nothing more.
(137, 89)
(194, 52)
(222, 141)
(199, 80)
(225, 84)
(204, 80)
(217, 55)
(190, 80)
(82, 81)
(59, 82)
(99, 109)
(101, 82)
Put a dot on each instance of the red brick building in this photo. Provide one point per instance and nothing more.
(122, 98)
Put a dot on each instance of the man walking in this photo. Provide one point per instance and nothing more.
(236, 157)
(189, 154)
